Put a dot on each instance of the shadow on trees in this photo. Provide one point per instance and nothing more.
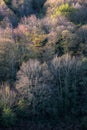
(26, 9)
(79, 16)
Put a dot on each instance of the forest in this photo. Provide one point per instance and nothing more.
(43, 64)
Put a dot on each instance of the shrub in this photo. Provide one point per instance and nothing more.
(7, 1)
(8, 117)
(21, 104)
(21, 108)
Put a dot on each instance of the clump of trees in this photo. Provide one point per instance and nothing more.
(51, 89)
(59, 79)
(43, 60)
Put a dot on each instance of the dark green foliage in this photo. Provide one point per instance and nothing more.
(22, 110)
(8, 117)
(8, 1)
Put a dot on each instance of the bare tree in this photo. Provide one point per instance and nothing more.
(65, 72)
(29, 76)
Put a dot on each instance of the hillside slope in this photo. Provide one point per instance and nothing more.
(43, 64)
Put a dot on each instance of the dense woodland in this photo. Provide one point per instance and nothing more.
(43, 64)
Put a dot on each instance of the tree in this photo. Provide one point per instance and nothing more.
(56, 81)
(29, 76)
